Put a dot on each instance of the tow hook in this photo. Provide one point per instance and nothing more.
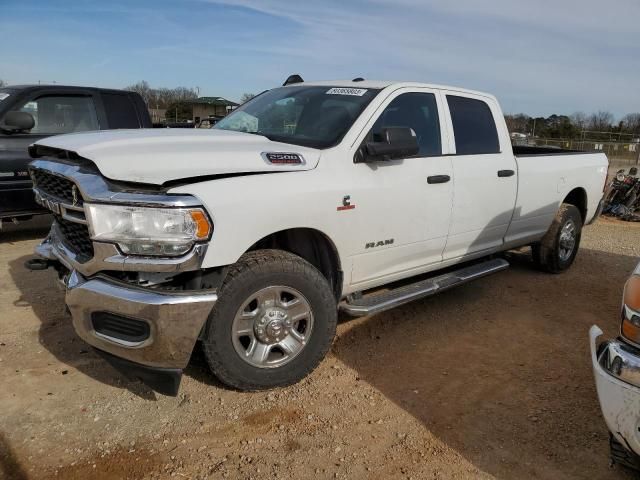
(38, 264)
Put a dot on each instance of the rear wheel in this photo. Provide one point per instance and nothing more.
(558, 248)
(273, 323)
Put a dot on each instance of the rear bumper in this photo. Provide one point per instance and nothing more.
(173, 319)
(616, 367)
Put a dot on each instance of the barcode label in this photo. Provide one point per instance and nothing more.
(357, 92)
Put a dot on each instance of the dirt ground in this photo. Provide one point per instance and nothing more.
(491, 380)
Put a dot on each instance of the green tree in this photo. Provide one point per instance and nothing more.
(178, 112)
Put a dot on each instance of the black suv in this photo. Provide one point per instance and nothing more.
(31, 112)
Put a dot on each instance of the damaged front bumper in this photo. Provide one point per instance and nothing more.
(616, 367)
(149, 333)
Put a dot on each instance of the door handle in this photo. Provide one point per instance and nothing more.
(506, 173)
(438, 179)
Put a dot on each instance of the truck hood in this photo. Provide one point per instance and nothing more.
(156, 156)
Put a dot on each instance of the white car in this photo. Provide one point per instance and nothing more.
(252, 235)
(616, 366)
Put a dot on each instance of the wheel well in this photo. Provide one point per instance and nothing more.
(312, 245)
(578, 198)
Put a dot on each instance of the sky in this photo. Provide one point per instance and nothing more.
(537, 56)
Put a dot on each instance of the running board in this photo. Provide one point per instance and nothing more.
(368, 305)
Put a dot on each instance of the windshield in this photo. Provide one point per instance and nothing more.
(315, 117)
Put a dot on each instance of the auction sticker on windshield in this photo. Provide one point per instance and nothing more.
(3, 96)
(358, 92)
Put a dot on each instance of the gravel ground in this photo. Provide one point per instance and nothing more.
(491, 380)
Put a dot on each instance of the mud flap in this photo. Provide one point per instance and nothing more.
(163, 380)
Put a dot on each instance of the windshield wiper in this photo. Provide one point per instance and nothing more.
(266, 135)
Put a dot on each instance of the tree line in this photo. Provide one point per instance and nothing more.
(597, 126)
(164, 98)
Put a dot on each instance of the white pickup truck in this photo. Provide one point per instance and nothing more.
(251, 236)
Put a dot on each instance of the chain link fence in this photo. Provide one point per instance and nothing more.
(620, 153)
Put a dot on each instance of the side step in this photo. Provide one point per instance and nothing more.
(380, 302)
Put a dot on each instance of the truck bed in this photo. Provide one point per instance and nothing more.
(532, 151)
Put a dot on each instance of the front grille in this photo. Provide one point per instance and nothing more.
(75, 237)
(55, 186)
(122, 328)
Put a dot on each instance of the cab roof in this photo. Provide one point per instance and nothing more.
(381, 84)
(55, 86)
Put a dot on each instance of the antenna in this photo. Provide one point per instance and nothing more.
(293, 79)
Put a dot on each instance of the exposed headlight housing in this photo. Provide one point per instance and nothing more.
(631, 309)
(148, 230)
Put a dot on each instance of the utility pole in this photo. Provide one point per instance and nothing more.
(534, 128)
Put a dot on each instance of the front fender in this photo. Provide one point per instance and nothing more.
(248, 208)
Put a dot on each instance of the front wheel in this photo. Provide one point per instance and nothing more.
(274, 321)
(558, 248)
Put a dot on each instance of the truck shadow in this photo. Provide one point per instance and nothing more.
(10, 468)
(39, 291)
(500, 369)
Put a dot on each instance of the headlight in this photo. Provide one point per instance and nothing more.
(631, 309)
(148, 230)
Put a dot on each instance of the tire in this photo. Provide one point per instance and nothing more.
(552, 254)
(611, 196)
(631, 201)
(260, 284)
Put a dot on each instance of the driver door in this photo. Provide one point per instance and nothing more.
(405, 204)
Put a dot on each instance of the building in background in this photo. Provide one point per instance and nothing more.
(205, 107)
(157, 114)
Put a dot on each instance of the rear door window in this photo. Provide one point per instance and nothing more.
(54, 114)
(121, 113)
(473, 126)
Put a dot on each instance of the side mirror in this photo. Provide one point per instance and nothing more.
(633, 171)
(18, 121)
(398, 142)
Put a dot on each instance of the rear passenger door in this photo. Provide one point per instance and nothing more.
(484, 175)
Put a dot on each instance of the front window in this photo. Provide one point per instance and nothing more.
(55, 114)
(316, 117)
(417, 111)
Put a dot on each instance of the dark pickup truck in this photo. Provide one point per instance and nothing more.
(29, 113)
